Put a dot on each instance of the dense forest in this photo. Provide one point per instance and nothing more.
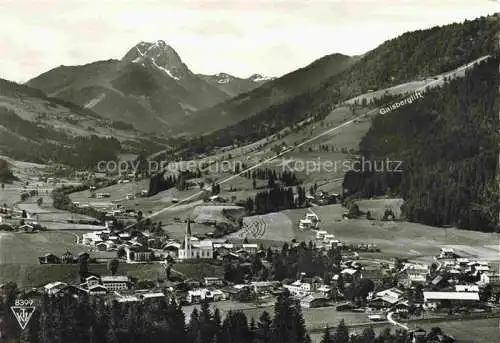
(448, 144)
(67, 319)
(408, 57)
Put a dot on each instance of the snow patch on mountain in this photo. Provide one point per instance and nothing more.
(260, 78)
(168, 72)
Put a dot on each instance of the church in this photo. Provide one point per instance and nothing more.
(193, 248)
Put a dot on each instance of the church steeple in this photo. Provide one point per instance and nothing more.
(187, 240)
(188, 228)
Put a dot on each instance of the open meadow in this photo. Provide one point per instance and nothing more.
(404, 239)
(25, 248)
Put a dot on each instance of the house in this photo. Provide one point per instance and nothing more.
(413, 273)
(350, 274)
(489, 278)
(67, 257)
(325, 291)
(320, 235)
(92, 280)
(217, 198)
(97, 289)
(261, 287)
(438, 281)
(27, 228)
(313, 301)
(349, 255)
(466, 288)
(328, 237)
(196, 295)
(312, 217)
(116, 283)
(447, 253)
(138, 254)
(152, 296)
(299, 288)
(387, 298)
(54, 287)
(213, 281)
(217, 295)
(49, 258)
(127, 299)
(101, 246)
(250, 248)
(305, 224)
(447, 299)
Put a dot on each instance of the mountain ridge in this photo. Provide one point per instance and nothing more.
(150, 87)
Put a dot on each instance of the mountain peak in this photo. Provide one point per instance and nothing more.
(259, 78)
(159, 55)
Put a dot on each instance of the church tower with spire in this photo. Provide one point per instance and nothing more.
(187, 240)
(195, 248)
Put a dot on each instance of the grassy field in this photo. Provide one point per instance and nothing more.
(403, 239)
(314, 317)
(377, 207)
(33, 275)
(25, 248)
(271, 227)
(30, 275)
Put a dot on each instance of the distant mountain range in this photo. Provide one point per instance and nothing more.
(150, 87)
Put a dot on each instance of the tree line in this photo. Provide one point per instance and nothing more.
(83, 319)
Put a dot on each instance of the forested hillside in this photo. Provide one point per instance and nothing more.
(25, 140)
(38, 128)
(407, 57)
(448, 143)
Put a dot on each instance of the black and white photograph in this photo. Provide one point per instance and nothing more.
(249, 171)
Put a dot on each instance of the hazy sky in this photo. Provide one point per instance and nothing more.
(240, 37)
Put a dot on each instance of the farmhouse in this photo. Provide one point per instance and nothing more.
(49, 258)
(387, 298)
(54, 287)
(313, 301)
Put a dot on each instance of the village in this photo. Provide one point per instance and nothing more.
(349, 280)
